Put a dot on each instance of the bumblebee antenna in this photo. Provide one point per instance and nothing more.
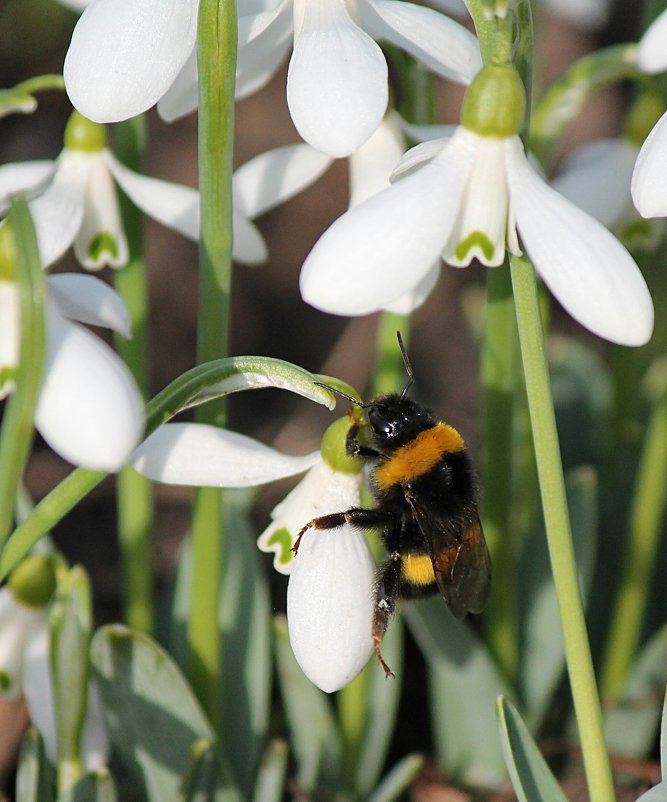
(342, 394)
(408, 366)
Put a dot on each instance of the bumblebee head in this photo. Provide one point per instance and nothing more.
(395, 420)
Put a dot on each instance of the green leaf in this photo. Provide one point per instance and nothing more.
(398, 779)
(153, 717)
(97, 786)
(70, 624)
(271, 773)
(630, 725)
(244, 617)
(542, 650)
(565, 98)
(531, 777)
(202, 779)
(463, 683)
(35, 778)
(315, 738)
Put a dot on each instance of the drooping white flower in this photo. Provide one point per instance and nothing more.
(471, 196)
(75, 201)
(648, 185)
(24, 659)
(89, 409)
(337, 84)
(330, 605)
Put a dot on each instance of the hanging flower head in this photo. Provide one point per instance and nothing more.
(471, 196)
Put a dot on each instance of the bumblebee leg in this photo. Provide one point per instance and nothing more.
(387, 591)
(354, 449)
(357, 516)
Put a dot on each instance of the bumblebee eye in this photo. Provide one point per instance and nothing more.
(379, 423)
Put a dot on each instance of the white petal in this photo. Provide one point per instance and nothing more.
(87, 299)
(596, 178)
(265, 38)
(248, 246)
(28, 177)
(174, 205)
(337, 79)
(383, 248)
(101, 239)
(89, 408)
(58, 212)
(480, 230)
(182, 97)
(39, 694)
(442, 44)
(205, 456)
(649, 193)
(417, 157)
(329, 605)
(321, 491)
(652, 52)
(418, 294)
(9, 328)
(18, 624)
(273, 177)
(124, 56)
(372, 163)
(425, 133)
(582, 263)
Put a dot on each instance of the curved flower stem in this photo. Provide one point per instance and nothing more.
(499, 376)
(134, 497)
(17, 425)
(216, 62)
(559, 536)
(646, 515)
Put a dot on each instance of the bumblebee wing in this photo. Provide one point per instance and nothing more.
(460, 558)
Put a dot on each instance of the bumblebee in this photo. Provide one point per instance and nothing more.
(425, 508)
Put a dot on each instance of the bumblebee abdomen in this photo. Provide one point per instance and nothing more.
(416, 458)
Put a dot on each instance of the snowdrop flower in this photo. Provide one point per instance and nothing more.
(329, 603)
(337, 84)
(648, 180)
(75, 200)
(470, 197)
(89, 408)
(24, 658)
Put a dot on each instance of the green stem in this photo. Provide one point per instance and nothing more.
(646, 515)
(134, 497)
(498, 385)
(20, 251)
(390, 374)
(217, 68)
(559, 536)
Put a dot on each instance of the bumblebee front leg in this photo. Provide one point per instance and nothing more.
(356, 516)
(387, 592)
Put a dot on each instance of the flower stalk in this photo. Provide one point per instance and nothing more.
(216, 58)
(134, 500)
(559, 535)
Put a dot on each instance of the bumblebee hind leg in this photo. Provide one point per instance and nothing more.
(387, 593)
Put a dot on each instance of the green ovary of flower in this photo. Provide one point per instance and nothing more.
(83, 134)
(333, 448)
(102, 243)
(495, 103)
(33, 581)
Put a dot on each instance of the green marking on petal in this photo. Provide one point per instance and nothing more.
(282, 538)
(103, 244)
(5, 682)
(477, 239)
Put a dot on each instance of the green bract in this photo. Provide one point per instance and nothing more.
(83, 134)
(495, 103)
